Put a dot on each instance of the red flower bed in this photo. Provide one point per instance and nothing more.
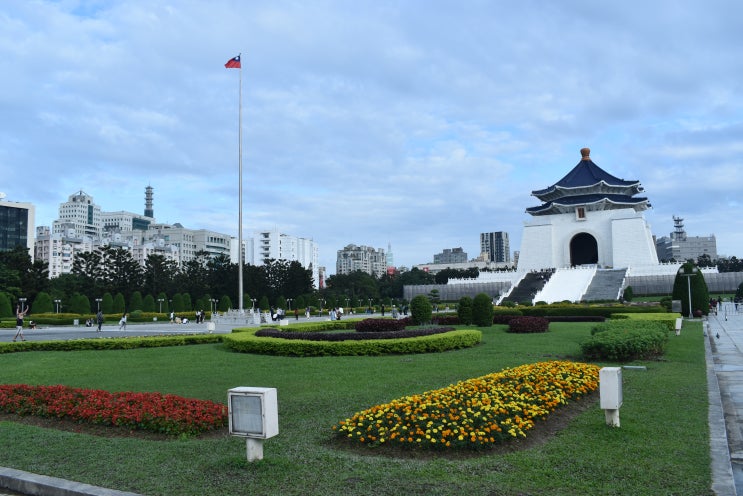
(153, 412)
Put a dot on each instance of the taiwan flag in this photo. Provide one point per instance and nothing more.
(233, 63)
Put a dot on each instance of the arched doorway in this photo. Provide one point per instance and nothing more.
(584, 250)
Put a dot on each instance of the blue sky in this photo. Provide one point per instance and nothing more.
(416, 123)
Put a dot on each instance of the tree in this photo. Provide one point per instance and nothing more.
(79, 304)
(159, 275)
(482, 310)
(148, 304)
(464, 310)
(421, 310)
(225, 303)
(178, 303)
(6, 310)
(119, 305)
(263, 303)
(42, 303)
(107, 305)
(135, 302)
(693, 283)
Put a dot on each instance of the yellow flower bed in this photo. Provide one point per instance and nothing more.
(476, 412)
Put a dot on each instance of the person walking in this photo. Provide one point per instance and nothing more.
(99, 320)
(122, 323)
(19, 323)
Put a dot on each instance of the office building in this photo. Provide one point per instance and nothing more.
(494, 247)
(16, 225)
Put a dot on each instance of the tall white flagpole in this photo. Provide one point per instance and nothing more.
(240, 216)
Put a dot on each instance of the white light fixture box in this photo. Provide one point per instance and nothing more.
(253, 412)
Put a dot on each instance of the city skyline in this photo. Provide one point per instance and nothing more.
(419, 125)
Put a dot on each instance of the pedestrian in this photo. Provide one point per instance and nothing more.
(122, 322)
(172, 317)
(296, 314)
(99, 320)
(19, 323)
(198, 316)
(307, 313)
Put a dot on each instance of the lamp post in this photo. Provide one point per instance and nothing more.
(56, 303)
(214, 305)
(98, 303)
(253, 300)
(694, 272)
(289, 302)
(22, 301)
(161, 300)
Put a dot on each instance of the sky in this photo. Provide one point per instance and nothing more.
(417, 124)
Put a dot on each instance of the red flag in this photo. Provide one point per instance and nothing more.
(233, 63)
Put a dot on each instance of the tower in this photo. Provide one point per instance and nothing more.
(588, 217)
(148, 211)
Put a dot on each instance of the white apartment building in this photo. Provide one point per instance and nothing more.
(363, 258)
(58, 250)
(81, 215)
(267, 245)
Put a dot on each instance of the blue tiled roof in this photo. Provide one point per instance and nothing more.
(587, 174)
(571, 201)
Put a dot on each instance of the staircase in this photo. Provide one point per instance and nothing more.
(606, 285)
(531, 284)
(567, 284)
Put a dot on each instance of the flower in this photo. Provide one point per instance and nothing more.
(476, 412)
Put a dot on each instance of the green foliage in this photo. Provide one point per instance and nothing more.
(225, 303)
(482, 310)
(42, 304)
(118, 306)
(6, 310)
(178, 303)
(247, 342)
(628, 294)
(107, 305)
(464, 310)
(281, 302)
(625, 340)
(696, 283)
(148, 303)
(421, 310)
(135, 302)
(263, 303)
(79, 304)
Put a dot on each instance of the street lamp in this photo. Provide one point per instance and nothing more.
(289, 302)
(56, 303)
(161, 300)
(694, 272)
(214, 304)
(98, 303)
(22, 301)
(253, 300)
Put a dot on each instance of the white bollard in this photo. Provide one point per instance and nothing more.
(610, 387)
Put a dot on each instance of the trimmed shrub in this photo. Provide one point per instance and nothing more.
(482, 310)
(625, 340)
(528, 324)
(464, 310)
(246, 342)
(448, 320)
(379, 325)
(421, 310)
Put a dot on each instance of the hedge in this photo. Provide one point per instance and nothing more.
(111, 343)
(247, 342)
(625, 340)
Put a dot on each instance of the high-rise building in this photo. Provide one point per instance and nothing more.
(450, 256)
(79, 217)
(363, 258)
(16, 225)
(274, 245)
(495, 247)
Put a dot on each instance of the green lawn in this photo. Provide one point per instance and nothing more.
(661, 448)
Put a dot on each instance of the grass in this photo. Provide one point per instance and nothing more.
(661, 448)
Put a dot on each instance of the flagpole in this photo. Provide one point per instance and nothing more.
(240, 216)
